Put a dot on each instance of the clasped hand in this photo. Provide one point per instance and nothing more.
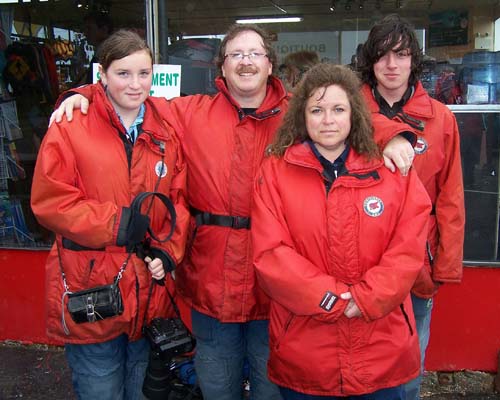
(352, 310)
(155, 266)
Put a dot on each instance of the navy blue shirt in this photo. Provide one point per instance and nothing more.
(331, 170)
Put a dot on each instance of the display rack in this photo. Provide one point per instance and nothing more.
(12, 222)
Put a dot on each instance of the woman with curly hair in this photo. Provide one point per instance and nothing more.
(338, 241)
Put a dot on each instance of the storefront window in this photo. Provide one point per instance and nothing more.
(462, 70)
(45, 49)
(479, 128)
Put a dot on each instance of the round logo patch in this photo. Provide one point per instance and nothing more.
(421, 146)
(161, 169)
(373, 206)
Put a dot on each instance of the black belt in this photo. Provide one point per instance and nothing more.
(206, 218)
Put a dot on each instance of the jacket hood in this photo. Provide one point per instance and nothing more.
(301, 154)
(104, 108)
(419, 105)
(275, 94)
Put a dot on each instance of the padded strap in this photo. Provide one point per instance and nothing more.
(137, 204)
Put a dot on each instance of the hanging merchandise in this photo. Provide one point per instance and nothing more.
(62, 49)
(30, 71)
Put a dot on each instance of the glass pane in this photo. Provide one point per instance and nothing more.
(479, 136)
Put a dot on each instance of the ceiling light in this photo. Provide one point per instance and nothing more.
(268, 20)
(333, 7)
(348, 6)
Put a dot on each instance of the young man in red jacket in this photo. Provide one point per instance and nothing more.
(389, 67)
(224, 138)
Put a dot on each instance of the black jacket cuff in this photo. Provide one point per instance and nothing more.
(122, 237)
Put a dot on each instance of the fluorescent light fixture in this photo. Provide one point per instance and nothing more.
(268, 20)
(20, 1)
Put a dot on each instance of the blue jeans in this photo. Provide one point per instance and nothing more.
(422, 308)
(394, 393)
(113, 370)
(221, 349)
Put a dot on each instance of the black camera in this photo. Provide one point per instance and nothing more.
(168, 338)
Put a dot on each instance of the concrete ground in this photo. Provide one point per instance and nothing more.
(39, 372)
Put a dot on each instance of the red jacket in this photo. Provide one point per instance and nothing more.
(223, 150)
(438, 165)
(81, 182)
(366, 236)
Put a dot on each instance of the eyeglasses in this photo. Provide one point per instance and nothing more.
(238, 56)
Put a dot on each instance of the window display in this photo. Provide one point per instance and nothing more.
(52, 45)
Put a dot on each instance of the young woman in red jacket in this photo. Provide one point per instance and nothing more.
(338, 242)
(86, 177)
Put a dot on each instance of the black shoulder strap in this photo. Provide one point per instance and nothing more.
(136, 208)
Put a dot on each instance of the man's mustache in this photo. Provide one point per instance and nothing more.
(245, 69)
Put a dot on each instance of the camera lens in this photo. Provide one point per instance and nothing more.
(157, 383)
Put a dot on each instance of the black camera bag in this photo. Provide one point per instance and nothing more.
(96, 303)
(100, 302)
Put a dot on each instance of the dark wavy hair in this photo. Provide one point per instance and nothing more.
(121, 43)
(293, 129)
(390, 31)
(235, 30)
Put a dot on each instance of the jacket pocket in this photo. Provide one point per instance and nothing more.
(284, 331)
(86, 269)
(407, 318)
(193, 230)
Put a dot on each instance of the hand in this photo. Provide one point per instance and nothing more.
(352, 310)
(398, 153)
(155, 266)
(67, 106)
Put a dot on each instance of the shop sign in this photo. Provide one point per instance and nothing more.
(166, 80)
(325, 44)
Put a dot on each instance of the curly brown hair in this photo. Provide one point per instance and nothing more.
(293, 129)
(235, 30)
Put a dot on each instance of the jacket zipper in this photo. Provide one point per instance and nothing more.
(91, 267)
(138, 305)
(413, 122)
(429, 253)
